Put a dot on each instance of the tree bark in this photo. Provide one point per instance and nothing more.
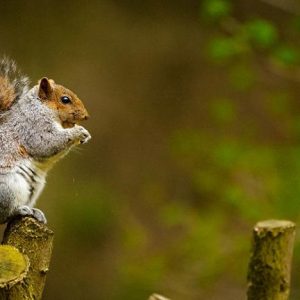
(270, 262)
(34, 241)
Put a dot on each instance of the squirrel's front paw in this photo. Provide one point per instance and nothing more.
(83, 135)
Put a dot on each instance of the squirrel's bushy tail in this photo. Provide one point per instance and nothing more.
(12, 83)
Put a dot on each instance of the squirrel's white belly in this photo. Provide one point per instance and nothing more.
(27, 182)
(19, 187)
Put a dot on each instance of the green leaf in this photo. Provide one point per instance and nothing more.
(226, 154)
(242, 77)
(279, 102)
(287, 55)
(261, 32)
(216, 9)
(223, 48)
(223, 110)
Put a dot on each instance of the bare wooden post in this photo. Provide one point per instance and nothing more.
(34, 241)
(270, 262)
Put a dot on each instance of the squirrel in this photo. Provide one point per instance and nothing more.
(38, 126)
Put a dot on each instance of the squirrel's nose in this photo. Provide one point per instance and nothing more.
(86, 117)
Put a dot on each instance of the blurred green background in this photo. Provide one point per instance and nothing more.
(196, 136)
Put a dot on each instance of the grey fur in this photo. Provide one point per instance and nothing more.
(6, 202)
(33, 126)
(19, 82)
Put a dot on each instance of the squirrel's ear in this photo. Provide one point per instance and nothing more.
(45, 89)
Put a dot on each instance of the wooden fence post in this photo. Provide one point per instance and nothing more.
(270, 262)
(31, 243)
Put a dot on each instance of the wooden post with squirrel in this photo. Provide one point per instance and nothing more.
(39, 125)
(25, 256)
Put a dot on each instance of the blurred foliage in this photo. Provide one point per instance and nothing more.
(287, 55)
(196, 137)
(224, 48)
(214, 10)
(261, 33)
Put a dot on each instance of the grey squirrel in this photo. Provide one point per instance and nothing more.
(38, 126)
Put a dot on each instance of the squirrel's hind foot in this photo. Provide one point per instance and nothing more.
(33, 212)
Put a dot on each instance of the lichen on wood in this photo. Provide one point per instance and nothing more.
(13, 266)
(34, 240)
(270, 261)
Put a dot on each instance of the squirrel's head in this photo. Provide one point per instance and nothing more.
(69, 107)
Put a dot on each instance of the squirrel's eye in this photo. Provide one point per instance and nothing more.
(65, 100)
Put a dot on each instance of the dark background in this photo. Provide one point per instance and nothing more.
(195, 122)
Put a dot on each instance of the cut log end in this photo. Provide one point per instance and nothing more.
(13, 266)
(273, 224)
(157, 297)
(273, 227)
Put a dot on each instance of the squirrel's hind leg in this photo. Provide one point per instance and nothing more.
(9, 208)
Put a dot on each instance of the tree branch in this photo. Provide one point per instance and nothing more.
(291, 7)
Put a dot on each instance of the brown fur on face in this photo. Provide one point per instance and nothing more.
(7, 93)
(69, 114)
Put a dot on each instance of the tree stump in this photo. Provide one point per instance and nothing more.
(270, 262)
(25, 257)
